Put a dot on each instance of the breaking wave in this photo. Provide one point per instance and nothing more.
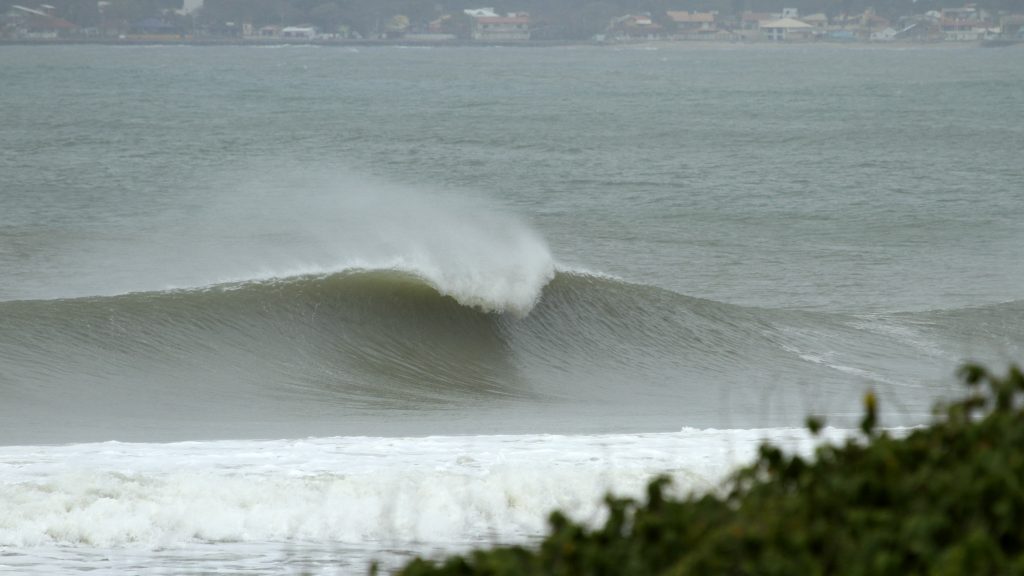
(360, 490)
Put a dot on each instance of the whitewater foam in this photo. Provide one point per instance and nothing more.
(352, 490)
(465, 247)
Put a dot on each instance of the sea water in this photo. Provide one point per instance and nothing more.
(297, 310)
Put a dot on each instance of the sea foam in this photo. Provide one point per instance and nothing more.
(471, 250)
(371, 492)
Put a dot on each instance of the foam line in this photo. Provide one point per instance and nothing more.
(345, 490)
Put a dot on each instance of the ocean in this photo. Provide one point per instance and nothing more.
(299, 309)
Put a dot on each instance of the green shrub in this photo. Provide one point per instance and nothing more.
(944, 499)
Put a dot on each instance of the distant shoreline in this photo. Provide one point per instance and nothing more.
(348, 43)
(340, 43)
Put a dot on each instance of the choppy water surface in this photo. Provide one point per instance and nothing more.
(229, 246)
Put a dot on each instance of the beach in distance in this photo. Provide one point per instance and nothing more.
(294, 309)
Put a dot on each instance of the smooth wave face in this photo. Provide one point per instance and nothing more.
(339, 353)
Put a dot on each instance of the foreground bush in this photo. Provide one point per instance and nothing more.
(946, 499)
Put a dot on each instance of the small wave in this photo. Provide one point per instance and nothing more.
(1010, 306)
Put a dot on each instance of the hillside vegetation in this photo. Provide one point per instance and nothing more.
(945, 499)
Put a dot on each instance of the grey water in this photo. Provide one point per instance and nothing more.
(234, 242)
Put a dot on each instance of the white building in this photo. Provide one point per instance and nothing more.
(481, 13)
(491, 27)
(302, 32)
(786, 29)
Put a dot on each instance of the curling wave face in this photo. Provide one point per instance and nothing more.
(340, 353)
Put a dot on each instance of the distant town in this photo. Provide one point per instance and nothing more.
(532, 22)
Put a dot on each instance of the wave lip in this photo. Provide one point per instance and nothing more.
(466, 248)
(497, 286)
(494, 264)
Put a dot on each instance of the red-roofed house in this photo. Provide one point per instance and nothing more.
(38, 24)
(691, 21)
(694, 25)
